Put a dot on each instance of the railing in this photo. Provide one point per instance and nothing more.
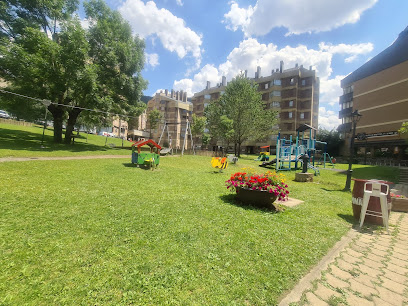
(345, 112)
(346, 97)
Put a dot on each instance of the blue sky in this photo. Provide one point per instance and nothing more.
(191, 41)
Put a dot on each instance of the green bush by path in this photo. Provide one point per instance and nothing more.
(105, 232)
(25, 141)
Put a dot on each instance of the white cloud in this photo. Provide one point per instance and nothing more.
(353, 50)
(328, 119)
(152, 59)
(330, 90)
(297, 16)
(179, 2)
(147, 19)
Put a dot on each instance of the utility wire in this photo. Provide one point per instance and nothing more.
(47, 102)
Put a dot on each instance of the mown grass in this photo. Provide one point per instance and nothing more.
(24, 141)
(104, 232)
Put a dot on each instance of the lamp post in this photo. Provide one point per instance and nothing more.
(355, 117)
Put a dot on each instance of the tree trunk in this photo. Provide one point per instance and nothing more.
(73, 115)
(235, 149)
(57, 114)
(239, 149)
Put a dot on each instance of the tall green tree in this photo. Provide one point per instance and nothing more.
(153, 118)
(47, 54)
(242, 104)
(333, 140)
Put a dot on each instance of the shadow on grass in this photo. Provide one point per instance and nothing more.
(143, 167)
(349, 218)
(28, 141)
(231, 199)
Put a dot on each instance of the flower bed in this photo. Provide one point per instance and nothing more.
(399, 203)
(266, 187)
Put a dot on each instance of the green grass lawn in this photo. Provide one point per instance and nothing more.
(104, 232)
(24, 141)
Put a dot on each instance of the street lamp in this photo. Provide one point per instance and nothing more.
(355, 117)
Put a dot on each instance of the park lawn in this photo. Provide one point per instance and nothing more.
(25, 141)
(104, 232)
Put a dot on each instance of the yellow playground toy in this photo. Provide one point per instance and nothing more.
(219, 162)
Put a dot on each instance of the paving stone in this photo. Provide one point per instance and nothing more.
(372, 264)
(390, 297)
(396, 269)
(361, 288)
(354, 300)
(379, 302)
(354, 253)
(314, 300)
(374, 273)
(400, 256)
(393, 286)
(362, 244)
(380, 247)
(379, 252)
(384, 241)
(401, 245)
(339, 273)
(366, 238)
(366, 280)
(397, 249)
(401, 279)
(325, 293)
(398, 262)
(345, 266)
(375, 257)
(350, 259)
(335, 282)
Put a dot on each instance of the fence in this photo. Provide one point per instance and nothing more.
(15, 122)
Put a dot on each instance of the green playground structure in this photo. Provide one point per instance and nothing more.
(263, 156)
(150, 158)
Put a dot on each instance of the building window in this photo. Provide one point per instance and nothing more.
(292, 81)
(206, 104)
(291, 103)
(266, 86)
(275, 104)
(275, 93)
(348, 89)
(302, 115)
(303, 82)
(207, 97)
(277, 82)
(290, 115)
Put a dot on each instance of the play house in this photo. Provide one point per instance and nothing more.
(146, 152)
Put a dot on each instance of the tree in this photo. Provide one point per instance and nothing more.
(198, 126)
(47, 54)
(242, 104)
(403, 131)
(333, 140)
(153, 119)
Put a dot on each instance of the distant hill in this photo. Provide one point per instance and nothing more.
(146, 99)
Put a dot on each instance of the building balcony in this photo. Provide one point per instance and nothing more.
(346, 98)
(344, 128)
(345, 112)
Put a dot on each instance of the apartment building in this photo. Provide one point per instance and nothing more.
(175, 110)
(293, 92)
(379, 91)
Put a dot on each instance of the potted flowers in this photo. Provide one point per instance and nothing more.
(399, 203)
(259, 189)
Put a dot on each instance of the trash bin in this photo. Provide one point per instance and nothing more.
(373, 204)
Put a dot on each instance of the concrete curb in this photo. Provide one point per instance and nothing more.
(306, 282)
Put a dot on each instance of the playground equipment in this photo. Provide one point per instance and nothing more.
(219, 162)
(264, 155)
(232, 158)
(187, 133)
(289, 152)
(150, 159)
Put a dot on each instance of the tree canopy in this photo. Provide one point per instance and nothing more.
(333, 140)
(239, 114)
(47, 54)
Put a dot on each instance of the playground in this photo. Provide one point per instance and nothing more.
(101, 231)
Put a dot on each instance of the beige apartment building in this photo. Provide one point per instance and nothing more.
(379, 91)
(293, 92)
(176, 111)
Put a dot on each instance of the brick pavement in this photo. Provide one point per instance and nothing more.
(371, 269)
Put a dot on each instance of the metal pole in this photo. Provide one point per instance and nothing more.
(45, 125)
(350, 171)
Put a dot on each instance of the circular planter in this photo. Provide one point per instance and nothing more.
(257, 198)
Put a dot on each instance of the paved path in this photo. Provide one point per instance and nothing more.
(365, 268)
